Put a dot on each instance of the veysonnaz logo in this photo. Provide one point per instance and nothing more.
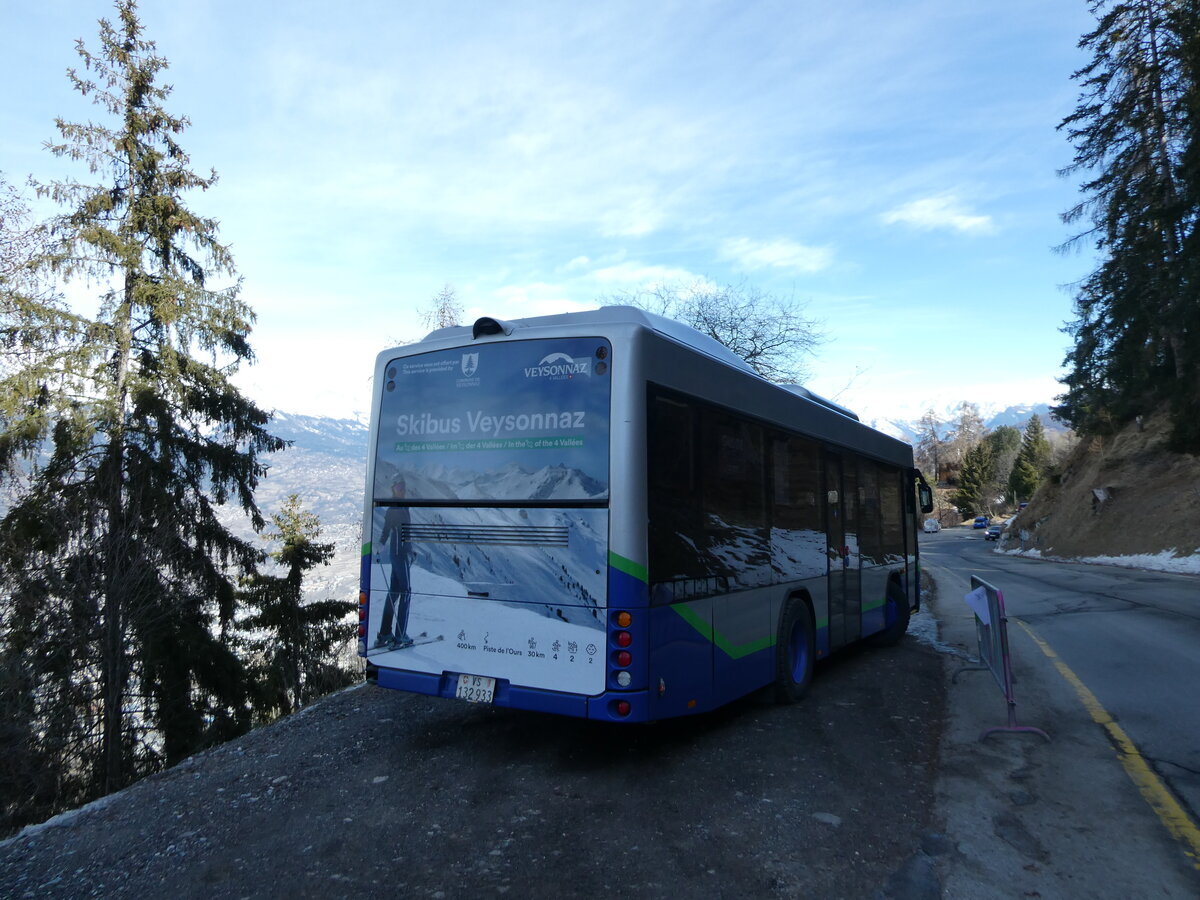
(470, 363)
(558, 366)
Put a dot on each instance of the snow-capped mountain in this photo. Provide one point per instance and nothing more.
(994, 416)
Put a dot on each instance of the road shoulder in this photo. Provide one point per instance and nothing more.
(1027, 818)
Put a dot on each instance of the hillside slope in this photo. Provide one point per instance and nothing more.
(1124, 495)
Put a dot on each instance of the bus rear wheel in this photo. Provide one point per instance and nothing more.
(795, 651)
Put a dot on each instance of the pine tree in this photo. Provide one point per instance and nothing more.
(1004, 445)
(976, 481)
(116, 550)
(1032, 461)
(294, 643)
(1134, 331)
(1184, 22)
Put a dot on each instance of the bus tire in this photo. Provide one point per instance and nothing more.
(795, 651)
(891, 634)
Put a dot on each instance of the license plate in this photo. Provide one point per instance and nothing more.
(475, 688)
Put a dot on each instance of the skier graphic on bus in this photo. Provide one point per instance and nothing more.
(394, 635)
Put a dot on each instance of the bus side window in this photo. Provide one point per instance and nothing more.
(797, 523)
(891, 501)
(869, 537)
(671, 457)
(733, 470)
(676, 570)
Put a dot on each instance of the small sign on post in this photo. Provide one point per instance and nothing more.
(991, 631)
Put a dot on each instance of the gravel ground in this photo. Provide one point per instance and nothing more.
(372, 789)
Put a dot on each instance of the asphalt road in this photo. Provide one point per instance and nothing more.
(1132, 636)
(1106, 662)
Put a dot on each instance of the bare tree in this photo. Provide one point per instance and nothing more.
(967, 430)
(771, 333)
(445, 312)
(931, 444)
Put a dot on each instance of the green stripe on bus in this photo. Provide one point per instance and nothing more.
(629, 567)
(730, 649)
(366, 550)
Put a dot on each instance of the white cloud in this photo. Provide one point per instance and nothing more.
(943, 211)
(777, 254)
(639, 275)
(517, 301)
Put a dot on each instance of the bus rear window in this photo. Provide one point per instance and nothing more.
(517, 421)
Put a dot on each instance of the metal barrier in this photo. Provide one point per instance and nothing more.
(991, 630)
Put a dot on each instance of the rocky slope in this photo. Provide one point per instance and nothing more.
(1119, 496)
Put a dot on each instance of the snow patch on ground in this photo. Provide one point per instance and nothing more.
(924, 627)
(1166, 561)
(61, 820)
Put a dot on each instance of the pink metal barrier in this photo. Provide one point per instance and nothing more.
(991, 630)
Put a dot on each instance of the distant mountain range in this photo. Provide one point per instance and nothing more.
(326, 467)
(1016, 416)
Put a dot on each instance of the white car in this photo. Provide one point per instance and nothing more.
(932, 526)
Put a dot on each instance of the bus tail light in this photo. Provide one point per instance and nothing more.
(619, 661)
(623, 708)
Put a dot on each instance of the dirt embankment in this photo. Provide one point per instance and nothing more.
(1117, 496)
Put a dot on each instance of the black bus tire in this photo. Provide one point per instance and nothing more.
(892, 634)
(795, 651)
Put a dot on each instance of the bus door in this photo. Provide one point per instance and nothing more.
(841, 537)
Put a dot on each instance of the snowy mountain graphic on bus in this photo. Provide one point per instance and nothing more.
(550, 561)
(512, 482)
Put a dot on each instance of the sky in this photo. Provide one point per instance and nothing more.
(893, 167)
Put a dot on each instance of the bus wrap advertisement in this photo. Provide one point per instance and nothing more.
(489, 531)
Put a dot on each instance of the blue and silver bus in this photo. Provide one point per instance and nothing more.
(609, 515)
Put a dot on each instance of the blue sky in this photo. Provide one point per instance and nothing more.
(892, 165)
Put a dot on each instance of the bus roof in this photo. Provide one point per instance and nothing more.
(629, 315)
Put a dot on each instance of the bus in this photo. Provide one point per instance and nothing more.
(609, 515)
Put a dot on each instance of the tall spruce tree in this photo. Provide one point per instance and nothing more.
(1004, 444)
(1135, 335)
(976, 479)
(116, 554)
(1032, 461)
(293, 643)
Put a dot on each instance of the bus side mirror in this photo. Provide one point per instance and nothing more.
(925, 492)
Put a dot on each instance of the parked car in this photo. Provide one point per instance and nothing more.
(993, 532)
(982, 522)
(932, 526)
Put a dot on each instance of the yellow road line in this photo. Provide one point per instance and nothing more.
(1153, 791)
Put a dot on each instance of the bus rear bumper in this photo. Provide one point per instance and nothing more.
(605, 707)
